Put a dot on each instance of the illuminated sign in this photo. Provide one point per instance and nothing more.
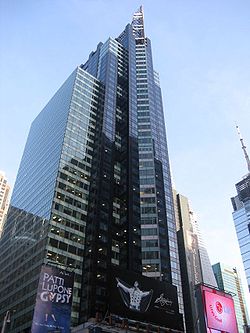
(220, 312)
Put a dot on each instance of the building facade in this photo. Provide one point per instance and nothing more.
(194, 260)
(4, 199)
(229, 280)
(241, 213)
(94, 184)
(241, 217)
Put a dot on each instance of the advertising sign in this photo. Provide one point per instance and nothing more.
(145, 299)
(194, 257)
(53, 301)
(220, 312)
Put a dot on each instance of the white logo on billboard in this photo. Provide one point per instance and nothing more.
(163, 301)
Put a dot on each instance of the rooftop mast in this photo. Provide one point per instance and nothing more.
(244, 149)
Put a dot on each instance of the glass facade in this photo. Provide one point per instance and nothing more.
(22, 247)
(95, 173)
(36, 179)
(69, 213)
(241, 216)
(54, 180)
(160, 258)
(229, 280)
(4, 199)
(113, 228)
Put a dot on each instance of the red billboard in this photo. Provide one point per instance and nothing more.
(219, 309)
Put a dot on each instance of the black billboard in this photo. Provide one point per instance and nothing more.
(144, 299)
(53, 301)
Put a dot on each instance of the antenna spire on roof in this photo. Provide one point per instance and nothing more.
(244, 148)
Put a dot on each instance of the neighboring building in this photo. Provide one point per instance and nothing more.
(206, 267)
(4, 199)
(247, 329)
(95, 173)
(229, 280)
(241, 215)
(194, 261)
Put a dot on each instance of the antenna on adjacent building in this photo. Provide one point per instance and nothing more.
(244, 148)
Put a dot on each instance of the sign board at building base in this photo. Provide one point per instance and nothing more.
(216, 310)
(144, 299)
(53, 302)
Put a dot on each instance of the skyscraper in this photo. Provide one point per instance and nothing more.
(241, 214)
(194, 261)
(4, 199)
(229, 280)
(93, 188)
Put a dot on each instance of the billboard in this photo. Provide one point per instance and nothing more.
(194, 257)
(220, 311)
(145, 299)
(53, 301)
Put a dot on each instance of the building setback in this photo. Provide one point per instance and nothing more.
(229, 280)
(93, 188)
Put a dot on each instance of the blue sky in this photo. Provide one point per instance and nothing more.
(201, 50)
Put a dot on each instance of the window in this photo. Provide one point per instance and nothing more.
(149, 232)
(150, 255)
